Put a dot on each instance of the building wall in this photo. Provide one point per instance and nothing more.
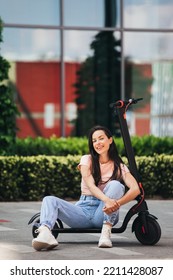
(64, 30)
(39, 100)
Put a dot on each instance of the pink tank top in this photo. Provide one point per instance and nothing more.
(106, 173)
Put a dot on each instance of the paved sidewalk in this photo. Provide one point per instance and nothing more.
(16, 236)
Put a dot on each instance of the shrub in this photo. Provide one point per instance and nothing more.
(143, 146)
(31, 178)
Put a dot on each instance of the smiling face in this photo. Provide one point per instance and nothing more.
(101, 142)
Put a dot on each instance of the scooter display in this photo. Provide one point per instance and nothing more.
(145, 226)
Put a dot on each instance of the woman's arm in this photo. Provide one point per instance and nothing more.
(133, 191)
(131, 194)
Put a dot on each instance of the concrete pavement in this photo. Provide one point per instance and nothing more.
(16, 236)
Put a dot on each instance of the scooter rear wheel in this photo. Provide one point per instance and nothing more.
(55, 232)
(153, 234)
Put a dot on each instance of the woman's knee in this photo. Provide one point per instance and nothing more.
(114, 188)
(49, 199)
(114, 184)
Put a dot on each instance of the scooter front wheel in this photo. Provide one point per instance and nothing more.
(149, 236)
(55, 232)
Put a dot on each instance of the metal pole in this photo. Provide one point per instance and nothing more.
(122, 51)
(62, 70)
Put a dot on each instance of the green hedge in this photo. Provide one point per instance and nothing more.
(31, 178)
(143, 146)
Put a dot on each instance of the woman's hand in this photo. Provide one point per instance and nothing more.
(111, 206)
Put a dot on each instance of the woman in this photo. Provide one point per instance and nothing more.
(104, 176)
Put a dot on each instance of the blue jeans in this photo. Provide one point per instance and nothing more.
(86, 213)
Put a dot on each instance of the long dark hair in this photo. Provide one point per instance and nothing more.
(112, 154)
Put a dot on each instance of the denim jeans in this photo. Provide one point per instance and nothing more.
(86, 213)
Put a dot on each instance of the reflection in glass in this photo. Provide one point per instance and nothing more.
(148, 14)
(138, 82)
(149, 75)
(30, 44)
(97, 78)
(35, 79)
(162, 99)
(91, 13)
(30, 12)
(148, 46)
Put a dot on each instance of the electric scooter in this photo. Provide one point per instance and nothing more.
(145, 225)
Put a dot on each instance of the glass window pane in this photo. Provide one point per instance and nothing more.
(149, 71)
(35, 79)
(148, 13)
(30, 12)
(92, 79)
(30, 44)
(95, 13)
(148, 46)
(162, 99)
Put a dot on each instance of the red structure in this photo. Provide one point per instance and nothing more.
(39, 99)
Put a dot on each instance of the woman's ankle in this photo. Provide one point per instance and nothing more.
(108, 224)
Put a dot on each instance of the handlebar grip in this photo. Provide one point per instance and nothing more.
(121, 103)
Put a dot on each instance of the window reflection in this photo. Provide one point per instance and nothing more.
(92, 13)
(30, 44)
(148, 74)
(35, 79)
(138, 83)
(87, 73)
(97, 78)
(37, 86)
(38, 12)
(148, 46)
(148, 14)
(162, 99)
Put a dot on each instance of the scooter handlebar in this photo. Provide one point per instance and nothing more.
(121, 103)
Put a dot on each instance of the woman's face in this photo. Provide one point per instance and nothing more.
(101, 142)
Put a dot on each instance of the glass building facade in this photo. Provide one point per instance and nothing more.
(71, 58)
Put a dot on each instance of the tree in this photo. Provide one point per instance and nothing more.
(138, 82)
(8, 108)
(98, 82)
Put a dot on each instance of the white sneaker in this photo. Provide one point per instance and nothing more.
(105, 238)
(44, 240)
